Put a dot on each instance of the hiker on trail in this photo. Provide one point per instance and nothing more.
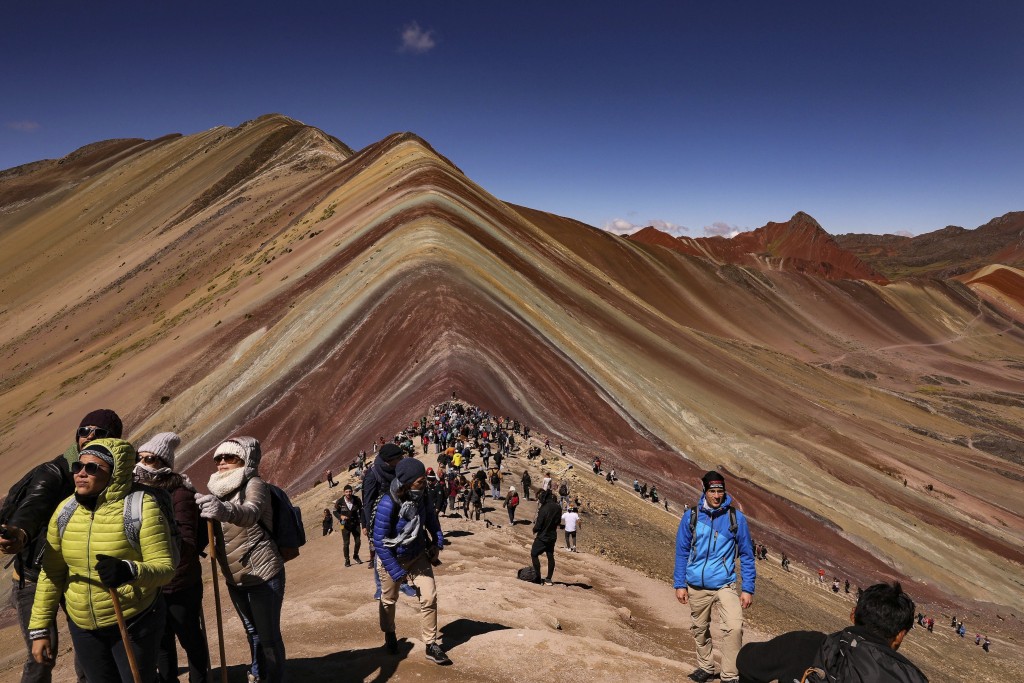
(184, 594)
(88, 553)
(608, 477)
(977, 639)
(327, 522)
(495, 485)
(547, 444)
(654, 494)
(931, 625)
(407, 538)
(476, 499)
(636, 485)
(712, 538)
(24, 517)
(570, 520)
(545, 529)
(835, 584)
(437, 496)
(526, 481)
(785, 562)
(986, 645)
(866, 651)
(349, 510)
(643, 490)
(330, 479)
(821, 576)
(375, 488)
(545, 483)
(498, 458)
(846, 587)
(563, 494)
(511, 503)
(240, 503)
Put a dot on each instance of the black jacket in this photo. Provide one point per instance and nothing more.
(51, 483)
(353, 519)
(377, 481)
(548, 518)
(787, 657)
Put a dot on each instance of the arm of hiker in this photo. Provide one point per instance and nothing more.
(12, 539)
(746, 599)
(43, 494)
(746, 556)
(682, 595)
(683, 539)
(52, 580)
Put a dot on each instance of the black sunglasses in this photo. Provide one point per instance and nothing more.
(99, 432)
(227, 458)
(150, 459)
(91, 468)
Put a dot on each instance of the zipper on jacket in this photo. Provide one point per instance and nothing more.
(88, 567)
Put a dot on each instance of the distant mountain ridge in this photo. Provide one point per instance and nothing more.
(799, 245)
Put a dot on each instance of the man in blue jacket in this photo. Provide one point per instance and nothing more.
(407, 538)
(707, 548)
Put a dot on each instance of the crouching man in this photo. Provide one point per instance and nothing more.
(866, 651)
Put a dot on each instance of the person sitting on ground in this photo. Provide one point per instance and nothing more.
(327, 522)
(866, 651)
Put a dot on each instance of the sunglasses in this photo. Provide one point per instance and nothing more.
(91, 468)
(151, 459)
(226, 458)
(99, 432)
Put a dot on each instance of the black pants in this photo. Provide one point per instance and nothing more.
(547, 547)
(511, 514)
(345, 536)
(184, 611)
(101, 652)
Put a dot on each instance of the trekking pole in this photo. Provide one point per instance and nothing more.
(216, 600)
(129, 650)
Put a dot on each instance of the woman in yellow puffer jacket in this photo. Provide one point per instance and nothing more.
(88, 553)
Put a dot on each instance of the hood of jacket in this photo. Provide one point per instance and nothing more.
(249, 449)
(124, 465)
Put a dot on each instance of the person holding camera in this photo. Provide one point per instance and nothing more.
(407, 539)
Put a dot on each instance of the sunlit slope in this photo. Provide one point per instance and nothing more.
(265, 279)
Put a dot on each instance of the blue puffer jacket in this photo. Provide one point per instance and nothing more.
(712, 565)
(387, 524)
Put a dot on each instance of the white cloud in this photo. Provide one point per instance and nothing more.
(24, 126)
(415, 40)
(904, 233)
(722, 229)
(620, 226)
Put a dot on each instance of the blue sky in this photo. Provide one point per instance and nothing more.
(698, 117)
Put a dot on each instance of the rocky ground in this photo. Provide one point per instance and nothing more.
(610, 616)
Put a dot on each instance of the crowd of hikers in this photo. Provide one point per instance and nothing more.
(115, 535)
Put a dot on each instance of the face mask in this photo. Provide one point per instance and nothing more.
(415, 494)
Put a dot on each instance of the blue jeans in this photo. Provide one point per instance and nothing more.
(259, 608)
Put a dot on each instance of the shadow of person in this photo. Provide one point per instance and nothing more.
(460, 631)
(372, 664)
(457, 533)
(584, 586)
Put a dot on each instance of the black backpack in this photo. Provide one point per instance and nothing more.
(845, 657)
(287, 530)
(527, 574)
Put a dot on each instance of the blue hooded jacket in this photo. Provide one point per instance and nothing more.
(713, 565)
(387, 524)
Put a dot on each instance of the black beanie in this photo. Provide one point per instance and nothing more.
(105, 419)
(390, 451)
(409, 470)
(713, 480)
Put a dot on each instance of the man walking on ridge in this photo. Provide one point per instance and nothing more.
(712, 536)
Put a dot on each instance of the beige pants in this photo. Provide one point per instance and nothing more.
(730, 619)
(420, 577)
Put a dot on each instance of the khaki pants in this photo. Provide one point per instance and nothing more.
(730, 618)
(420, 577)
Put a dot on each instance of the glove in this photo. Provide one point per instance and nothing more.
(212, 507)
(114, 572)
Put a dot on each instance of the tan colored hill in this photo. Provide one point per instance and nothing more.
(267, 279)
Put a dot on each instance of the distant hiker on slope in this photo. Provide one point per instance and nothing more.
(549, 514)
(527, 482)
(711, 537)
(407, 538)
(511, 503)
(866, 651)
(571, 520)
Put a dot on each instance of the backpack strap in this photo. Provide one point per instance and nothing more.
(133, 519)
(693, 529)
(65, 516)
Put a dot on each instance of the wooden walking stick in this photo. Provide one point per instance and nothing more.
(129, 650)
(216, 600)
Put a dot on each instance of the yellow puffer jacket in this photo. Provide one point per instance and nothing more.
(69, 564)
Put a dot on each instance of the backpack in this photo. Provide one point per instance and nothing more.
(287, 530)
(13, 500)
(133, 517)
(527, 574)
(563, 490)
(845, 657)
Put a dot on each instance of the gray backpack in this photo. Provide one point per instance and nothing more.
(133, 517)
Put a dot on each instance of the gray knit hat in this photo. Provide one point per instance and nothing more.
(162, 446)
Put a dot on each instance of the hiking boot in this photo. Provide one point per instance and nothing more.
(437, 655)
(702, 676)
(391, 642)
(347, 563)
(355, 558)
